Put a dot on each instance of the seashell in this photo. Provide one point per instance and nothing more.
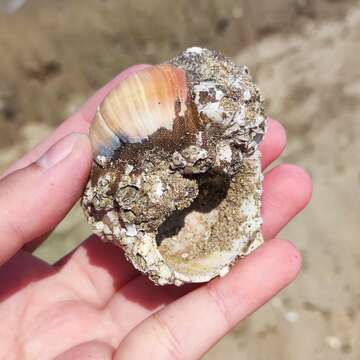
(176, 179)
(141, 105)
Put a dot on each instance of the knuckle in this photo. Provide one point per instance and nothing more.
(169, 342)
(220, 305)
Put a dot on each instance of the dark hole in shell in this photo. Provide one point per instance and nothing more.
(213, 189)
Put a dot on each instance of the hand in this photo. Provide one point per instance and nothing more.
(93, 304)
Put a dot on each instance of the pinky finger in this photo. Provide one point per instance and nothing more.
(190, 326)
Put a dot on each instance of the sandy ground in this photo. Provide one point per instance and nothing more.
(306, 59)
(312, 81)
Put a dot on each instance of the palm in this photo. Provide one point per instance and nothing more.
(93, 304)
(62, 306)
(49, 307)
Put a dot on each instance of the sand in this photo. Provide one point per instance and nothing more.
(305, 56)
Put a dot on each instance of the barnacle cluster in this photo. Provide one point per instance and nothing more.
(176, 179)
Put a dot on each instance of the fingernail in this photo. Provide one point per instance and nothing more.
(59, 151)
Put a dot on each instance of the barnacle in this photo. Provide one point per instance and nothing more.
(176, 178)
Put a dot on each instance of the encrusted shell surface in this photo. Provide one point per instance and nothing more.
(176, 178)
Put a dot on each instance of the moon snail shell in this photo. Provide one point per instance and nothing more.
(176, 179)
(142, 104)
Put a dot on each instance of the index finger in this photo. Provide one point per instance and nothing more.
(77, 123)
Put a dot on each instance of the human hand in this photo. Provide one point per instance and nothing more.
(93, 303)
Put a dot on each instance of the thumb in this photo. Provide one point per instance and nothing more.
(35, 199)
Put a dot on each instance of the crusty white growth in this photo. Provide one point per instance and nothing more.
(213, 109)
(143, 252)
(224, 153)
(195, 49)
(182, 199)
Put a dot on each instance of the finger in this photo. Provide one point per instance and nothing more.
(35, 199)
(19, 272)
(188, 327)
(98, 269)
(79, 122)
(287, 190)
(90, 350)
(139, 299)
(273, 143)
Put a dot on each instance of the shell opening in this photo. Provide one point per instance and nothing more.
(221, 224)
(198, 239)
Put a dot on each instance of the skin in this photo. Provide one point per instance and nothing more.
(93, 304)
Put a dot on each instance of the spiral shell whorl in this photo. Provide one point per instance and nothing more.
(140, 105)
